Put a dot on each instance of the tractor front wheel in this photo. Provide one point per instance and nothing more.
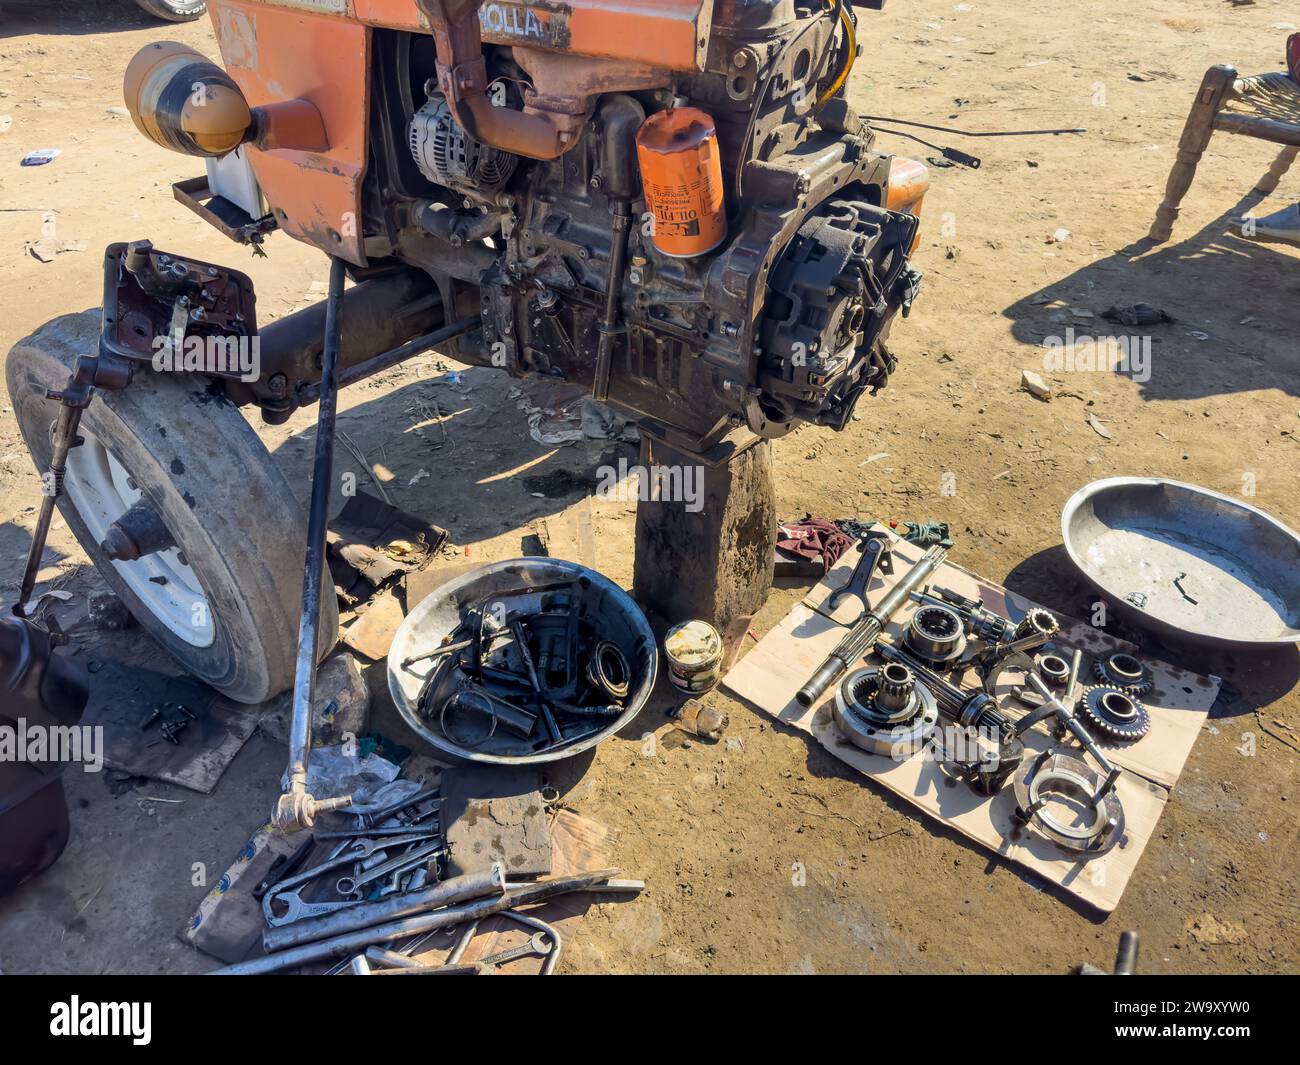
(223, 593)
(174, 10)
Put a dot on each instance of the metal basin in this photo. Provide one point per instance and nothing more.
(611, 610)
(1186, 562)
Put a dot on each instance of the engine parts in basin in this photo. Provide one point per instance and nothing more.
(518, 662)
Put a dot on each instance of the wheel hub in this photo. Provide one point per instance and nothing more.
(104, 493)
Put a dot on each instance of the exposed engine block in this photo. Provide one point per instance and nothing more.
(785, 321)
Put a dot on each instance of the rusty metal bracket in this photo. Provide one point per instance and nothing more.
(152, 299)
(231, 220)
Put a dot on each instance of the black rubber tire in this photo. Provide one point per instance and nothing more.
(228, 507)
(175, 10)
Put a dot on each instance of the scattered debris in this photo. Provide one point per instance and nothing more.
(700, 720)
(1059, 237)
(1035, 385)
(1209, 931)
(107, 612)
(340, 705)
(47, 248)
(41, 156)
(1098, 427)
(1137, 314)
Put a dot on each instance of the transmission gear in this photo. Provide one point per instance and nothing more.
(1123, 671)
(1113, 714)
(1038, 622)
(893, 716)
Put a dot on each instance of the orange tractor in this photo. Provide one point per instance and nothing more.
(669, 202)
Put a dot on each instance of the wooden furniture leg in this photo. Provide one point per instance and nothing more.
(1268, 183)
(1215, 86)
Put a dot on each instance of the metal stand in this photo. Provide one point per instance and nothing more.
(296, 809)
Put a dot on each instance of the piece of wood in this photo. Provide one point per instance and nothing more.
(372, 633)
(774, 670)
(1267, 185)
(1178, 703)
(706, 551)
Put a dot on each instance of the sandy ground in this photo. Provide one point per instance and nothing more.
(717, 829)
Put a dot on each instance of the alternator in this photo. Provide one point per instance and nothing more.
(449, 156)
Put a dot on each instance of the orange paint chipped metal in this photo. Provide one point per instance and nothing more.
(299, 54)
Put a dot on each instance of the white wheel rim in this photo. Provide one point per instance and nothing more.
(101, 489)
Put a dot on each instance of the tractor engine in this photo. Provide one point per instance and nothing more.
(669, 202)
(724, 250)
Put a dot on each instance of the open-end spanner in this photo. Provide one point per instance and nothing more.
(539, 943)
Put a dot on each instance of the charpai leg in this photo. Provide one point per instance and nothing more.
(1215, 86)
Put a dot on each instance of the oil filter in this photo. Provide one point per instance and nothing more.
(681, 172)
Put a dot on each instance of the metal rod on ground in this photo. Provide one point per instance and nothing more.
(865, 633)
(297, 809)
(1127, 956)
(427, 922)
(970, 133)
(363, 914)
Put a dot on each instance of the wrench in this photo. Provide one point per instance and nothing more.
(346, 855)
(876, 555)
(296, 909)
(348, 884)
(539, 943)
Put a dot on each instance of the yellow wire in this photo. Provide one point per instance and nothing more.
(852, 39)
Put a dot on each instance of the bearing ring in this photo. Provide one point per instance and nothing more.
(608, 670)
(936, 635)
(1125, 672)
(1054, 669)
(1061, 774)
(1114, 714)
(862, 713)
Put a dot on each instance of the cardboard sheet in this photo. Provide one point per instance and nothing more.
(124, 696)
(782, 661)
(1179, 701)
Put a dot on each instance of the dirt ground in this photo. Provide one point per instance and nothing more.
(715, 830)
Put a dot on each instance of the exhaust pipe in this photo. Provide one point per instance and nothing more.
(556, 107)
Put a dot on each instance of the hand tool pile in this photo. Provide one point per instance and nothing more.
(376, 900)
(387, 854)
(895, 709)
(528, 670)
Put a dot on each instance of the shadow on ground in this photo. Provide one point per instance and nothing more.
(1190, 358)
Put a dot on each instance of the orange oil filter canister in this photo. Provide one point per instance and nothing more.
(681, 172)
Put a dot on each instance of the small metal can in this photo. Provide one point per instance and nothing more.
(694, 653)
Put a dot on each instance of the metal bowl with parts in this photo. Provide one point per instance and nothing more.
(524, 583)
(1185, 562)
